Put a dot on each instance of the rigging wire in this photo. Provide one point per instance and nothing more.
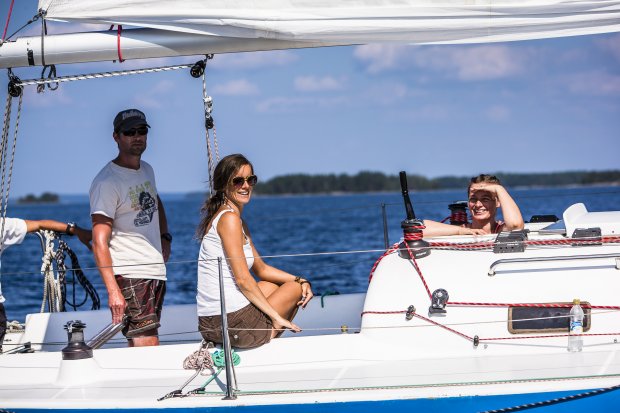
(8, 19)
(6, 179)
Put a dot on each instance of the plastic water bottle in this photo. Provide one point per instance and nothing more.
(575, 342)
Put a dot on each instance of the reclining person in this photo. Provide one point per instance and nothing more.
(485, 196)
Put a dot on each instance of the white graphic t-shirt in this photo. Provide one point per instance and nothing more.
(14, 232)
(129, 197)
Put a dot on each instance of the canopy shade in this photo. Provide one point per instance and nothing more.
(353, 21)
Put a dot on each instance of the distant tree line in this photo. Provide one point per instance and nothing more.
(377, 181)
(44, 198)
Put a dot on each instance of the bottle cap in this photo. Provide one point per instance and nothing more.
(576, 301)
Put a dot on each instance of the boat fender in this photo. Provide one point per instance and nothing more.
(439, 300)
(76, 349)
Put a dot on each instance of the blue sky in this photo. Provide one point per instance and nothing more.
(535, 106)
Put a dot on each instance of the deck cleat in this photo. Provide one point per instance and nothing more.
(438, 305)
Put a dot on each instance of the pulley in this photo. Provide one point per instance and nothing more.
(198, 69)
(15, 87)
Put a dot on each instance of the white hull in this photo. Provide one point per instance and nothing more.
(382, 357)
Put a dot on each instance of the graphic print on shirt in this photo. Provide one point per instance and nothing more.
(144, 200)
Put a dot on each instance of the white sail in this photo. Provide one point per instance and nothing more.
(194, 27)
(353, 21)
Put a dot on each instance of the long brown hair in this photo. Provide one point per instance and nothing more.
(222, 175)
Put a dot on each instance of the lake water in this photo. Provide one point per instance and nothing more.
(285, 230)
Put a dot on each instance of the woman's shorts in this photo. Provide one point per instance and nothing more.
(247, 328)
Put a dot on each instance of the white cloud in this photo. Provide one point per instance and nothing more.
(154, 97)
(611, 45)
(384, 93)
(253, 60)
(486, 62)
(597, 83)
(466, 63)
(382, 57)
(430, 112)
(285, 104)
(318, 84)
(49, 98)
(497, 113)
(239, 87)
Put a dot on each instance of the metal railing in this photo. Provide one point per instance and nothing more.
(497, 263)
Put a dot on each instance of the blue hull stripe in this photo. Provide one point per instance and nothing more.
(603, 403)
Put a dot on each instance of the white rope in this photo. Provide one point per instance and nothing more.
(208, 109)
(200, 360)
(51, 287)
(4, 191)
(100, 75)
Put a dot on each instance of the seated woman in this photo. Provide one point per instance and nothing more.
(256, 311)
(486, 194)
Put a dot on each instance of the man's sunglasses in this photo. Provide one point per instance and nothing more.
(132, 132)
(238, 181)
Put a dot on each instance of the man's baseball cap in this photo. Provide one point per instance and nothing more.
(129, 118)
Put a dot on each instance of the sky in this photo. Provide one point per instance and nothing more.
(534, 106)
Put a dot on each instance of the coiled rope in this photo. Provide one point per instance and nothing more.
(78, 275)
(202, 360)
(55, 282)
(52, 291)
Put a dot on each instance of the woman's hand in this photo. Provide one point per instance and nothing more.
(484, 186)
(471, 231)
(282, 323)
(306, 294)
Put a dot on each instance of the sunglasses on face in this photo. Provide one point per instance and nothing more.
(143, 130)
(238, 181)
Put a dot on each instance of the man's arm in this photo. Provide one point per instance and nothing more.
(163, 229)
(84, 235)
(102, 232)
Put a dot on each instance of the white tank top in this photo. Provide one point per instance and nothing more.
(208, 297)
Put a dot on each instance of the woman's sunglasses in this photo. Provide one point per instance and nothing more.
(238, 181)
(143, 130)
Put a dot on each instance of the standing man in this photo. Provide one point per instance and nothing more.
(131, 242)
(13, 231)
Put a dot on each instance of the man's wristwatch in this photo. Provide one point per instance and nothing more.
(70, 228)
(167, 236)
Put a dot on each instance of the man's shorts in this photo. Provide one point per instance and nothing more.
(145, 298)
(247, 328)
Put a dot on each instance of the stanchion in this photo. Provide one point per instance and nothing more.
(230, 395)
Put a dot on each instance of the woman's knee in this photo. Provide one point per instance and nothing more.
(292, 287)
(267, 287)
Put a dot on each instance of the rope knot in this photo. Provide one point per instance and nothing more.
(200, 359)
